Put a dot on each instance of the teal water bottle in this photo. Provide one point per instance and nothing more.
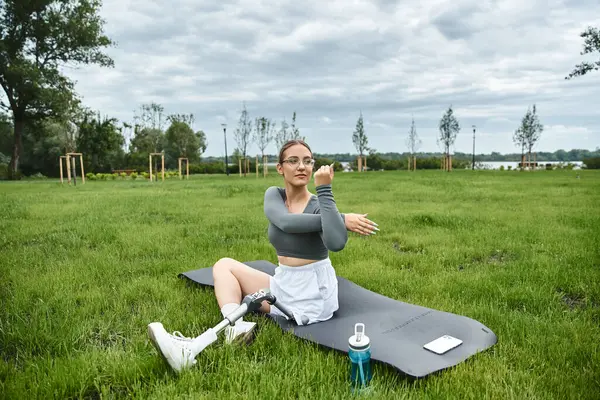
(359, 351)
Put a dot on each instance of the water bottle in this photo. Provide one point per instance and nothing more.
(359, 352)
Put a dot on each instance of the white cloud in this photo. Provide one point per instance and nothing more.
(328, 61)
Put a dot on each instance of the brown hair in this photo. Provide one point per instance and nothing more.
(289, 144)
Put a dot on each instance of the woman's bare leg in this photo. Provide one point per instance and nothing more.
(234, 280)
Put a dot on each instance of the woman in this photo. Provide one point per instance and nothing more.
(303, 228)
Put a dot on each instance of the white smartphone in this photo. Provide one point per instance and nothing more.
(442, 344)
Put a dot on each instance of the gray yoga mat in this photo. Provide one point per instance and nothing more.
(397, 330)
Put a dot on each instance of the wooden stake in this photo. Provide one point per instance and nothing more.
(162, 155)
(359, 164)
(82, 171)
(257, 165)
(265, 166)
(60, 166)
(240, 166)
(187, 167)
(68, 169)
(414, 163)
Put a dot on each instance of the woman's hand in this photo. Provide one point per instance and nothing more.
(324, 175)
(360, 224)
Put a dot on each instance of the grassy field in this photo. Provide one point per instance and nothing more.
(84, 269)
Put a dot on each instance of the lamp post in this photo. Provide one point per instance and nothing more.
(225, 137)
(474, 127)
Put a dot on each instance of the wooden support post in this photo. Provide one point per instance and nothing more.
(414, 163)
(68, 169)
(240, 165)
(265, 166)
(60, 167)
(365, 166)
(257, 165)
(359, 164)
(187, 167)
(60, 163)
(162, 155)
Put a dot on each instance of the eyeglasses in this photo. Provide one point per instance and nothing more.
(295, 161)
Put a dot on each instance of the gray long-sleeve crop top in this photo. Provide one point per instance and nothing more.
(320, 228)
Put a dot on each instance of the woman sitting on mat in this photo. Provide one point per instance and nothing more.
(303, 228)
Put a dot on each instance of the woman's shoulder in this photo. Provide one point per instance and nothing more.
(275, 191)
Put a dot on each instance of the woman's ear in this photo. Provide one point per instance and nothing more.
(279, 169)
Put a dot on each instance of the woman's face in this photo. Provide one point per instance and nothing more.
(297, 165)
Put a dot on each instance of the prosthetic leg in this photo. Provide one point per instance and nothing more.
(251, 303)
(180, 351)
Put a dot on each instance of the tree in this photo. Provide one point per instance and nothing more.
(519, 141)
(449, 128)
(359, 138)
(36, 38)
(242, 134)
(413, 142)
(295, 134)
(591, 44)
(144, 142)
(152, 116)
(181, 141)
(100, 139)
(282, 135)
(263, 135)
(529, 132)
(187, 119)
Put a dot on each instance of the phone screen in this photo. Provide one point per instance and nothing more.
(442, 344)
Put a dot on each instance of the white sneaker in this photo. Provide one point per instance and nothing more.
(242, 331)
(174, 349)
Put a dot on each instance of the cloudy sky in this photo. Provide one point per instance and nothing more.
(331, 60)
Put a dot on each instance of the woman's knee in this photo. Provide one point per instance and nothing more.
(221, 265)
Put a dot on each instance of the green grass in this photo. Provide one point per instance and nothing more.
(84, 269)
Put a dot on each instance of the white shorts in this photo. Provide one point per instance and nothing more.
(309, 292)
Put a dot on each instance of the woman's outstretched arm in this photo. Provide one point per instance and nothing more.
(279, 215)
(335, 235)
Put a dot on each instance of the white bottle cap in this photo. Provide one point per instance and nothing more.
(359, 341)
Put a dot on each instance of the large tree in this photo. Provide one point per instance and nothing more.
(449, 128)
(242, 135)
(181, 141)
(591, 44)
(101, 141)
(36, 39)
